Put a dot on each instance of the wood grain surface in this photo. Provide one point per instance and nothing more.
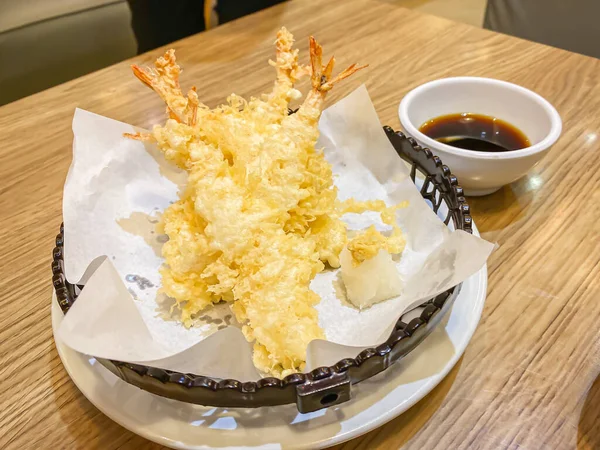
(528, 379)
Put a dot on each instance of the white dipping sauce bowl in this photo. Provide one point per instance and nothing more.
(481, 173)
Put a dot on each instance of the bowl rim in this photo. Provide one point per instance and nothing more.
(544, 144)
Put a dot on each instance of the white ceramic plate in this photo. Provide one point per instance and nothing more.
(375, 401)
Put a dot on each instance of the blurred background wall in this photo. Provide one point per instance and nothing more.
(47, 42)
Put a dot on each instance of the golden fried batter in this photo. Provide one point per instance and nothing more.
(366, 245)
(258, 219)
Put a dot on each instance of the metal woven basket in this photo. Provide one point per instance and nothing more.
(324, 386)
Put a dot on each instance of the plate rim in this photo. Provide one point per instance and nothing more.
(479, 277)
(424, 390)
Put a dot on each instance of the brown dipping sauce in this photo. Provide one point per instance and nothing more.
(476, 132)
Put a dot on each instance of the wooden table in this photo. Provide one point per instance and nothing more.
(529, 378)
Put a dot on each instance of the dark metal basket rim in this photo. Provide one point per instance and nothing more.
(320, 380)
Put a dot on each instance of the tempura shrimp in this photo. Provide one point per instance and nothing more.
(258, 219)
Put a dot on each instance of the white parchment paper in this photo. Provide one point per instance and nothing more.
(113, 196)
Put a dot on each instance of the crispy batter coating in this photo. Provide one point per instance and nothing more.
(367, 244)
(259, 217)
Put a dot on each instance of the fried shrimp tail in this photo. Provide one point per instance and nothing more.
(321, 75)
(288, 71)
(321, 80)
(139, 136)
(191, 109)
(164, 80)
(344, 74)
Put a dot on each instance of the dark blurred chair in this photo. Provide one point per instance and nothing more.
(569, 24)
(47, 42)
